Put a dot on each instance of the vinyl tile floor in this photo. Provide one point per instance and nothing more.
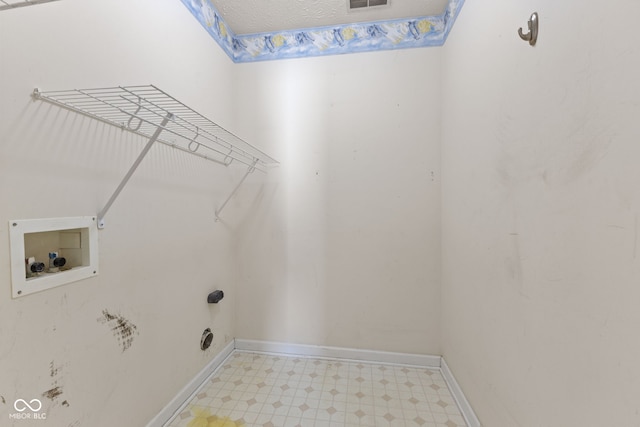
(266, 390)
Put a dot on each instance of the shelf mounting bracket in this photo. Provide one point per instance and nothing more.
(132, 169)
(250, 169)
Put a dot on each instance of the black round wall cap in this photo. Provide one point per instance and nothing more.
(215, 296)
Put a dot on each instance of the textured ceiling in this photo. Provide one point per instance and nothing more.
(261, 16)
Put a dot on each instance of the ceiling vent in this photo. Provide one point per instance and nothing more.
(360, 4)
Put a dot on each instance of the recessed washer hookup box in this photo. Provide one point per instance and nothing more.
(51, 252)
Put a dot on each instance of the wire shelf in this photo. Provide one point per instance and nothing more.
(143, 109)
(12, 4)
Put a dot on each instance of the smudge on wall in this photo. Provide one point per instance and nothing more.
(122, 329)
(56, 389)
(54, 369)
(52, 393)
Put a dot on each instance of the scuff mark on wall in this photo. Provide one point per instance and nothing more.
(3, 401)
(54, 370)
(122, 329)
(56, 390)
(52, 393)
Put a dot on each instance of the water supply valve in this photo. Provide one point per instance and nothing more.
(33, 267)
(56, 262)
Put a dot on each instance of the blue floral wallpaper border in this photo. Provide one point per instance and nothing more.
(420, 31)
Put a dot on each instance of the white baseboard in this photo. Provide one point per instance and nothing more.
(467, 411)
(184, 396)
(339, 353)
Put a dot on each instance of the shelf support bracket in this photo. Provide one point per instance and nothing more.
(250, 169)
(132, 169)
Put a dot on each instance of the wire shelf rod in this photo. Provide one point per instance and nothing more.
(246, 159)
(195, 118)
(148, 105)
(163, 141)
(210, 127)
(151, 113)
(109, 95)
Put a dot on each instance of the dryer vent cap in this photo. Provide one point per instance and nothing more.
(215, 296)
(205, 341)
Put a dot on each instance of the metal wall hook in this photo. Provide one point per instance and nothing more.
(532, 35)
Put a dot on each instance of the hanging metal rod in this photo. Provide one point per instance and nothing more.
(250, 169)
(12, 4)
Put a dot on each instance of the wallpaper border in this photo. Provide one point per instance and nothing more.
(422, 31)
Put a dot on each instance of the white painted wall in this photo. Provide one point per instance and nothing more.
(342, 247)
(161, 252)
(540, 213)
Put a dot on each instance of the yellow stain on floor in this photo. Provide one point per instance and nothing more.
(203, 418)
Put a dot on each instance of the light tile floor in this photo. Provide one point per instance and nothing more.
(254, 389)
